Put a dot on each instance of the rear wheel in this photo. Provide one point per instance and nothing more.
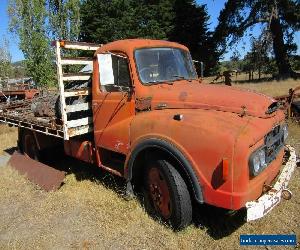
(28, 144)
(166, 195)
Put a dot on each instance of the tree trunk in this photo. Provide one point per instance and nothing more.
(281, 57)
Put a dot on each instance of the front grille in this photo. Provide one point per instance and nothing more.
(274, 141)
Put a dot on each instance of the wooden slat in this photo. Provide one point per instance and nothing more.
(78, 107)
(81, 45)
(77, 92)
(61, 90)
(80, 130)
(76, 77)
(79, 122)
(77, 61)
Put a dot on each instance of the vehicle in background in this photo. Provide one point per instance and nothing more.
(17, 89)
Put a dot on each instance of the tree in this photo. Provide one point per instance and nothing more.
(28, 21)
(258, 56)
(37, 23)
(281, 18)
(105, 21)
(64, 19)
(6, 68)
(191, 29)
(181, 21)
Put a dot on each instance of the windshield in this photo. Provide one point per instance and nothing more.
(164, 64)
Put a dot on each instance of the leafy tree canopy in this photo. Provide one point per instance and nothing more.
(281, 18)
(37, 23)
(181, 21)
(5, 60)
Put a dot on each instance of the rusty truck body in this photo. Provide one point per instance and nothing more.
(148, 118)
(19, 89)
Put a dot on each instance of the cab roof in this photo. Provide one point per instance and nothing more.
(129, 45)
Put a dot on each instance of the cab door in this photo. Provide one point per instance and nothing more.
(112, 104)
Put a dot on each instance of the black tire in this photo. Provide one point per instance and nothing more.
(166, 196)
(27, 144)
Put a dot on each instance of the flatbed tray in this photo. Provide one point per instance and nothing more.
(19, 113)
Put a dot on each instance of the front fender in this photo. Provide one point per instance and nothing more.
(172, 151)
(203, 138)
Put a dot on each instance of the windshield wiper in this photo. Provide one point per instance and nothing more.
(179, 77)
(160, 82)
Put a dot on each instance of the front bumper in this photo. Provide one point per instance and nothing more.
(260, 207)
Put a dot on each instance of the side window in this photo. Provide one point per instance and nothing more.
(114, 73)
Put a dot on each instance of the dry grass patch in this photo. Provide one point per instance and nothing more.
(271, 88)
(274, 88)
(8, 137)
(87, 214)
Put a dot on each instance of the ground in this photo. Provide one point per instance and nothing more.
(89, 211)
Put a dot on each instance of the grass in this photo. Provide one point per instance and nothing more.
(89, 211)
(272, 88)
(8, 137)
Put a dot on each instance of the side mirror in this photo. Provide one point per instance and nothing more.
(201, 67)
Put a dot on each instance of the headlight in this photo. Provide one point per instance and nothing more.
(285, 131)
(257, 162)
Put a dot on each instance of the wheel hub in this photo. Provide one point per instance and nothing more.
(156, 193)
(159, 193)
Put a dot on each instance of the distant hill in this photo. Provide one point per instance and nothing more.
(18, 63)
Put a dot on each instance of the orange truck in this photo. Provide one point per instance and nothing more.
(144, 115)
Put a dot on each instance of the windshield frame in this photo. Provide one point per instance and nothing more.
(170, 81)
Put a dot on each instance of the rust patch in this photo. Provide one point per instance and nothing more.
(143, 104)
(183, 96)
(46, 177)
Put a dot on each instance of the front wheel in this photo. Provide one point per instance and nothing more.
(166, 195)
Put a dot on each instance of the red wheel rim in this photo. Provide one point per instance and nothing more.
(159, 192)
(29, 147)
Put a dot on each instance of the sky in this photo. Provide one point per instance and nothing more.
(14, 49)
(213, 8)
